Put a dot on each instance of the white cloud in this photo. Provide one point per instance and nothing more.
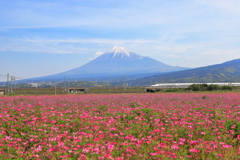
(166, 46)
(23, 45)
(100, 41)
(172, 56)
(64, 46)
(97, 54)
(127, 15)
(221, 52)
(231, 6)
(175, 48)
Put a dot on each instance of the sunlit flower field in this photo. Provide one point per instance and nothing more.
(121, 126)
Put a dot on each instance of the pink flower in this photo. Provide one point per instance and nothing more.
(220, 155)
(86, 150)
(175, 147)
(182, 139)
(60, 143)
(75, 148)
(153, 154)
(139, 142)
(192, 142)
(54, 121)
(82, 156)
(124, 144)
(193, 150)
(110, 147)
(97, 150)
(190, 135)
(226, 146)
(113, 128)
(107, 155)
(96, 139)
(38, 149)
(162, 145)
(181, 143)
(238, 137)
(8, 138)
(51, 149)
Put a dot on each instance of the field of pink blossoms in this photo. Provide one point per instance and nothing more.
(121, 126)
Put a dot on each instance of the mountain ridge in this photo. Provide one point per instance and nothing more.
(224, 72)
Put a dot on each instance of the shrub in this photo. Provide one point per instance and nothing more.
(227, 88)
(197, 87)
(213, 87)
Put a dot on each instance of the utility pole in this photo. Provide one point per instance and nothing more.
(55, 87)
(11, 83)
(123, 82)
(7, 84)
(14, 83)
(65, 88)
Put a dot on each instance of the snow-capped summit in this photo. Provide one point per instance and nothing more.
(122, 52)
(118, 49)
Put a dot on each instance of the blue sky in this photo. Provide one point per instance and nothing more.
(44, 37)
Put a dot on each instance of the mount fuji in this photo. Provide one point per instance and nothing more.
(117, 62)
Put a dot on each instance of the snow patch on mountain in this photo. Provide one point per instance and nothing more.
(118, 49)
(122, 52)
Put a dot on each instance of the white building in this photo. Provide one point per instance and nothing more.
(34, 85)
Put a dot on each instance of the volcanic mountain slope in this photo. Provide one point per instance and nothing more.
(118, 61)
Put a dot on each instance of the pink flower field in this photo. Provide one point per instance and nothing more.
(121, 126)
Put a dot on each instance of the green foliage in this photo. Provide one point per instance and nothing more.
(134, 105)
(11, 94)
(129, 117)
(233, 125)
(197, 87)
(147, 110)
(228, 88)
(204, 97)
(174, 90)
(103, 108)
(211, 87)
(159, 90)
(116, 153)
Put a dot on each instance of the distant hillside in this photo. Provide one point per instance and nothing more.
(225, 72)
